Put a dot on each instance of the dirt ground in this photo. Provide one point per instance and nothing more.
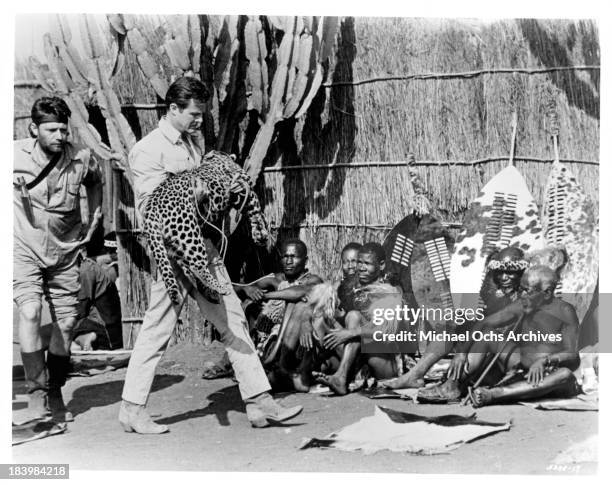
(210, 432)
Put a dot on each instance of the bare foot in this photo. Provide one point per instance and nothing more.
(404, 382)
(444, 393)
(300, 383)
(483, 396)
(336, 384)
(86, 340)
(451, 386)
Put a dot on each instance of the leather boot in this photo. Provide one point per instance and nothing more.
(36, 383)
(135, 419)
(58, 367)
(262, 411)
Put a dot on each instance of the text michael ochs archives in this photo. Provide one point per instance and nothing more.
(389, 318)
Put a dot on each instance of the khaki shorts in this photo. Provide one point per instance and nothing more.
(60, 284)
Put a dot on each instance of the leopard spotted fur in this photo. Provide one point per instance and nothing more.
(175, 213)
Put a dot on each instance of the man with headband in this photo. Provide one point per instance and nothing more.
(501, 283)
(48, 232)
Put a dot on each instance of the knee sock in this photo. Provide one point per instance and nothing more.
(58, 367)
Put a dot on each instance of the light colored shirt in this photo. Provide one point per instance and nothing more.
(53, 234)
(161, 153)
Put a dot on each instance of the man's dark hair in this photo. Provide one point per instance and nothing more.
(375, 249)
(295, 242)
(184, 89)
(48, 106)
(352, 245)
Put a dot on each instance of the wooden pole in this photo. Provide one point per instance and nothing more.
(513, 143)
(488, 368)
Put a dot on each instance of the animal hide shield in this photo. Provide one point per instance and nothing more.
(397, 431)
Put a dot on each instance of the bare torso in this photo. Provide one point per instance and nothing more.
(553, 330)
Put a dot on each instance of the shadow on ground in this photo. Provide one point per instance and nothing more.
(220, 404)
(104, 394)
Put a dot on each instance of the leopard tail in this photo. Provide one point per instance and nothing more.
(259, 227)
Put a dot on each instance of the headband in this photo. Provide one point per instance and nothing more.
(49, 118)
(519, 265)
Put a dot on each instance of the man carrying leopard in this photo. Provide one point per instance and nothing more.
(173, 148)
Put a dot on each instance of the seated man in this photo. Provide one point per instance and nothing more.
(265, 311)
(371, 293)
(501, 284)
(99, 326)
(278, 298)
(344, 303)
(538, 357)
(349, 257)
(499, 289)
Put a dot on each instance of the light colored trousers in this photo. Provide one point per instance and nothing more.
(227, 317)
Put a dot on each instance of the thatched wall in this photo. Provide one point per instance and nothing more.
(25, 94)
(438, 120)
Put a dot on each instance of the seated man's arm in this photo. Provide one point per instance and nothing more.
(365, 330)
(390, 301)
(256, 290)
(569, 356)
(293, 293)
(501, 318)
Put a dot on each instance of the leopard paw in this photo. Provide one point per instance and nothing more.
(175, 296)
(211, 295)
